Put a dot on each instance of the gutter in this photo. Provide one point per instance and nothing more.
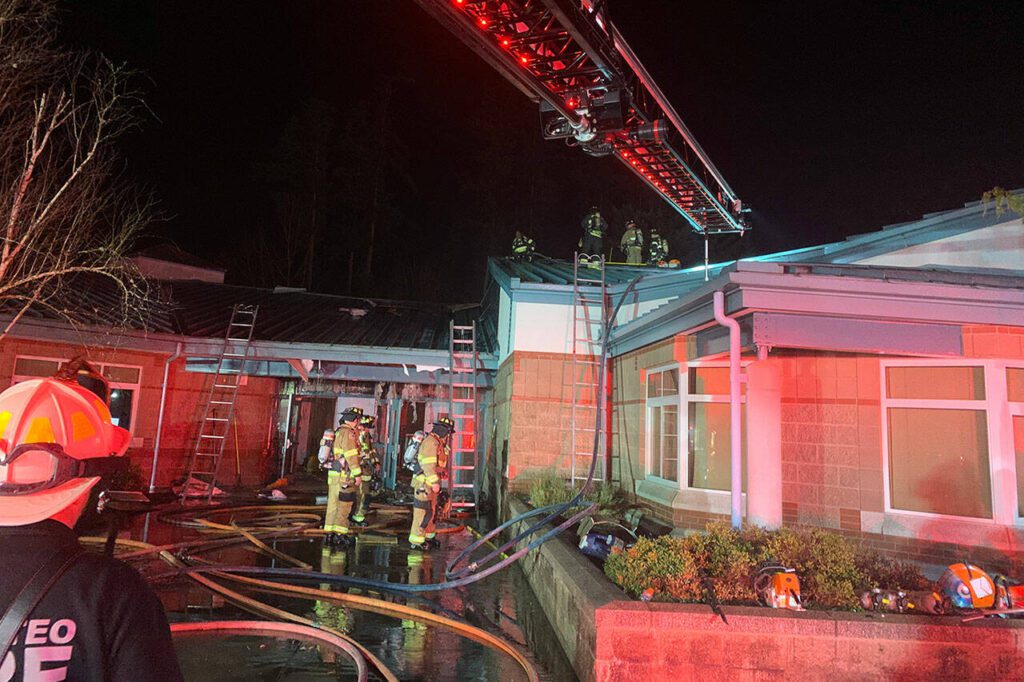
(735, 426)
(160, 418)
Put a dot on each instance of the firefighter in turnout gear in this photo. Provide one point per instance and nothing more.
(632, 243)
(591, 244)
(368, 462)
(342, 478)
(522, 247)
(431, 467)
(659, 248)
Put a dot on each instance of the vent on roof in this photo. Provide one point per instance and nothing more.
(354, 312)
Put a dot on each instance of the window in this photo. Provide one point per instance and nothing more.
(663, 423)
(1015, 396)
(708, 428)
(124, 383)
(938, 440)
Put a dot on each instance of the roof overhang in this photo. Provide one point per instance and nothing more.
(833, 307)
(99, 337)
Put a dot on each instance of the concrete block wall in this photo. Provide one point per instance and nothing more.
(637, 641)
(533, 397)
(831, 438)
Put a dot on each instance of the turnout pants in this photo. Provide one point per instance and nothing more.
(341, 495)
(362, 497)
(424, 512)
(634, 255)
(591, 245)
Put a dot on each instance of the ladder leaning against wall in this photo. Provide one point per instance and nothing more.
(462, 408)
(589, 313)
(219, 409)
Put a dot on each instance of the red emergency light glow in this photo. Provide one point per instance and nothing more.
(483, 22)
(524, 59)
(504, 42)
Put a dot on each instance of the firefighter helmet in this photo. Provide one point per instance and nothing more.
(446, 425)
(350, 414)
(56, 440)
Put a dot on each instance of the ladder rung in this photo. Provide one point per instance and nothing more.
(229, 371)
(207, 454)
(216, 419)
(206, 435)
(225, 386)
(234, 355)
(221, 402)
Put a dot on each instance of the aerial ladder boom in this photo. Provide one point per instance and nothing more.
(593, 92)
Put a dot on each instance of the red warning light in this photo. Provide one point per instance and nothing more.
(483, 22)
(504, 42)
(523, 59)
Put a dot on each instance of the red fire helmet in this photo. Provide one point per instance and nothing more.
(53, 435)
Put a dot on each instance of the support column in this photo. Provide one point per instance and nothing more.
(764, 443)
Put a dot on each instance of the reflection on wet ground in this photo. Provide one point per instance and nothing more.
(501, 604)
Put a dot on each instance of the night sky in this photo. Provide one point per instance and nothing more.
(827, 119)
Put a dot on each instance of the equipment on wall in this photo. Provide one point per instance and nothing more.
(899, 601)
(967, 587)
(778, 587)
(607, 538)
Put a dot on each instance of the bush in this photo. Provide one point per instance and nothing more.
(830, 572)
(550, 487)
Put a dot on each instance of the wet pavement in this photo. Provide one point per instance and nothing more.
(501, 604)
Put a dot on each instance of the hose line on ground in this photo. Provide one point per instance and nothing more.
(304, 633)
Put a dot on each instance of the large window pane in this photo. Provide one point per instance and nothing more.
(121, 407)
(30, 367)
(936, 383)
(1015, 384)
(710, 451)
(709, 381)
(938, 461)
(122, 375)
(1018, 448)
(654, 384)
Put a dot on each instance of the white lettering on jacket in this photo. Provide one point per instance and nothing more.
(45, 644)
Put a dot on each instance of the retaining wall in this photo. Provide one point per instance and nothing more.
(608, 637)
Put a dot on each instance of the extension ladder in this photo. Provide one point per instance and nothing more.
(462, 408)
(589, 315)
(220, 403)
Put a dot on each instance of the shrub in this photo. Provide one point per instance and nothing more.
(830, 571)
(891, 574)
(550, 487)
(661, 564)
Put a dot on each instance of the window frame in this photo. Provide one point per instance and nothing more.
(998, 423)
(135, 388)
(684, 421)
(661, 401)
(1013, 409)
(682, 400)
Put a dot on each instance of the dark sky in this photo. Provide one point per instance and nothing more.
(828, 119)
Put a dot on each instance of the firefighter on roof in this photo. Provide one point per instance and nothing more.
(659, 248)
(592, 242)
(368, 462)
(342, 478)
(522, 247)
(632, 243)
(431, 467)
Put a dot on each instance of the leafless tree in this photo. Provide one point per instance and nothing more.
(66, 218)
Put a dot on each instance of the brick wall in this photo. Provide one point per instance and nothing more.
(637, 641)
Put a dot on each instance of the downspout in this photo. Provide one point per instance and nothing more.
(160, 416)
(735, 428)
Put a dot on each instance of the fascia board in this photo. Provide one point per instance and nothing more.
(349, 372)
(269, 350)
(881, 299)
(687, 315)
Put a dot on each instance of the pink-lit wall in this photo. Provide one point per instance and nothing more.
(253, 411)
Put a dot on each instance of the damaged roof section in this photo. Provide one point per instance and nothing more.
(201, 310)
